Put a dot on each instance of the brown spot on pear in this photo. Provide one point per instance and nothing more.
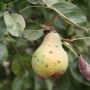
(61, 60)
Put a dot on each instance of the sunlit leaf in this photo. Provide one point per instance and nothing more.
(21, 63)
(71, 14)
(15, 23)
(49, 83)
(49, 3)
(32, 32)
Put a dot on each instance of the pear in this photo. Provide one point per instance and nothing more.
(50, 59)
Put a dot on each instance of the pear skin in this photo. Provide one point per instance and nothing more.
(50, 59)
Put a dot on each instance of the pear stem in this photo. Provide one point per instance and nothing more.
(32, 7)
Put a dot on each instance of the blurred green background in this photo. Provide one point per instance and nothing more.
(30, 81)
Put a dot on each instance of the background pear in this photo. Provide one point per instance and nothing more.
(50, 59)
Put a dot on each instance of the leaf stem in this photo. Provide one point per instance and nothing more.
(12, 2)
(74, 39)
(32, 7)
(70, 49)
(17, 52)
(33, 43)
(80, 38)
(53, 19)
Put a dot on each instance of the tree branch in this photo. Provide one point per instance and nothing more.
(11, 11)
(53, 19)
(47, 28)
(67, 40)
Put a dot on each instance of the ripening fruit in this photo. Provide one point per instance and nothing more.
(50, 59)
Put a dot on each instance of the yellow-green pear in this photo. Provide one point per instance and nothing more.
(50, 59)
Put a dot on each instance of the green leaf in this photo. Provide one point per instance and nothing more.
(49, 83)
(32, 31)
(17, 83)
(61, 83)
(49, 3)
(76, 73)
(3, 74)
(15, 23)
(2, 28)
(65, 47)
(33, 1)
(71, 14)
(41, 2)
(37, 83)
(3, 53)
(7, 1)
(2, 8)
(7, 39)
(21, 63)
